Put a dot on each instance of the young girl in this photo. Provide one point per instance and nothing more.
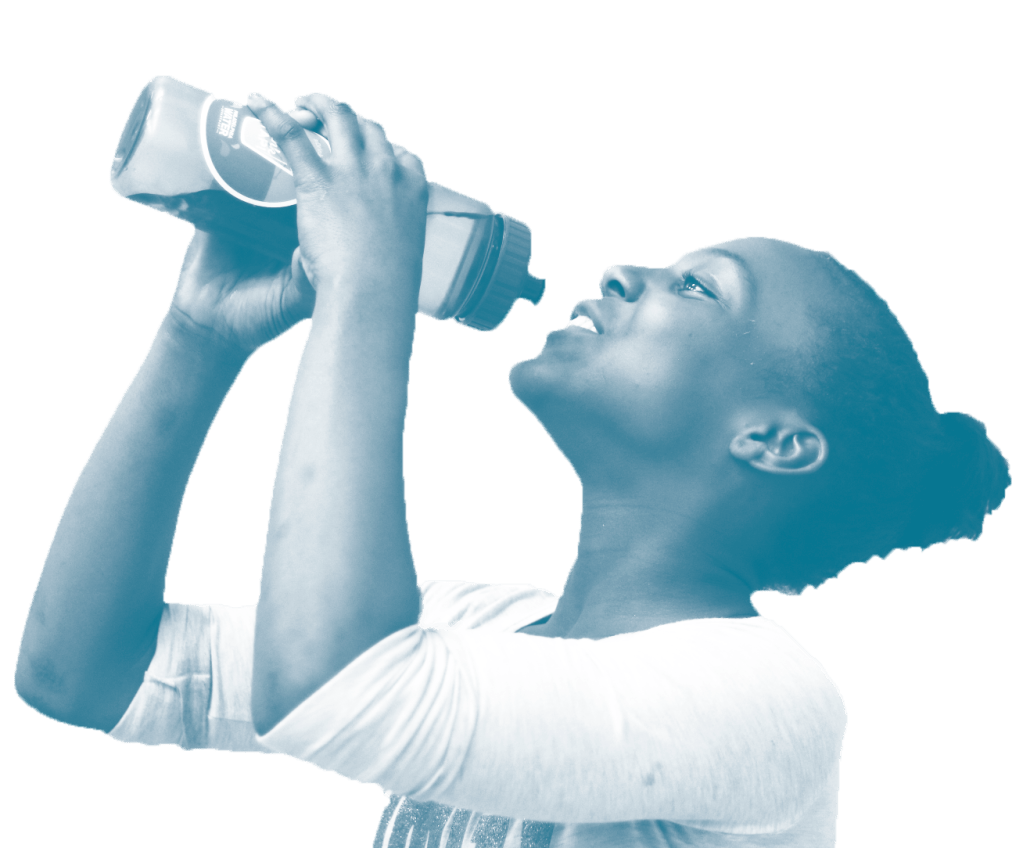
(750, 417)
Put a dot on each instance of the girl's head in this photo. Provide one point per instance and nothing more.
(769, 388)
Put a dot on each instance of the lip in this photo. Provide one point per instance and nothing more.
(586, 308)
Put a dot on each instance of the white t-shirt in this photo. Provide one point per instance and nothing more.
(710, 732)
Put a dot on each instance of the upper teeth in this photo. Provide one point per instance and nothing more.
(584, 322)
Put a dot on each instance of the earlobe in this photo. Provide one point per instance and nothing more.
(793, 448)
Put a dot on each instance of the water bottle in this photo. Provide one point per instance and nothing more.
(212, 163)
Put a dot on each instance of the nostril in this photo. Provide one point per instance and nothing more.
(613, 286)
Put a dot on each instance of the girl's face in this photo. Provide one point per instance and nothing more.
(673, 353)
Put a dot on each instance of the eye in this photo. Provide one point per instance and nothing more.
(689, 283)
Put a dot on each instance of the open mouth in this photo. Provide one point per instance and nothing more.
(584, 322)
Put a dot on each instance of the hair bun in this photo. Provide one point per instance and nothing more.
(970, 474)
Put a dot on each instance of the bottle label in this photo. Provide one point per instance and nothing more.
(242, 157)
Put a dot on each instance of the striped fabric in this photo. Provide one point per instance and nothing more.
(407, 823)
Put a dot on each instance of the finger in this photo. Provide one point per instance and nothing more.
(377, 145)
(306, 119)
(299, 266)
(289, 135)
(410, 162)
(341, 125)
(303, 285)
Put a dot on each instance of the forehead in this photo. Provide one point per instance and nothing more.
(777, 266)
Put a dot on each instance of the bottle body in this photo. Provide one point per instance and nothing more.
(213, 164)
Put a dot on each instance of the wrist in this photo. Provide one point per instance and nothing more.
(207, 347)
(386, 286)
(374, 313)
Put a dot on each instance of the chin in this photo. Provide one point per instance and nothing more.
(543, 388)
(526, 382)
(546, 390)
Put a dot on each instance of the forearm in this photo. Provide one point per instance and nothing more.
(92, 627)
(338, 573)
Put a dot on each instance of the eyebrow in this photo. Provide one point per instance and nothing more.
(734, 257)
(746, 273)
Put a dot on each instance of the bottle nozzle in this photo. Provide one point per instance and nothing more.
(504, 281)
(532, 288)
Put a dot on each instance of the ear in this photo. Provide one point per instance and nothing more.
(783, 444)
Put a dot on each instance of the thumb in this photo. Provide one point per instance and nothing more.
(299, 273)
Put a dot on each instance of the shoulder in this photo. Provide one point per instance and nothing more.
(769, 706)
(751, 661)
(769, 721)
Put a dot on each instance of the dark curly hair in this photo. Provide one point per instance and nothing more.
(899, 474)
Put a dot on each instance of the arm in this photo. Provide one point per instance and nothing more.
(92, 628)
(722, 725)
(338, 574)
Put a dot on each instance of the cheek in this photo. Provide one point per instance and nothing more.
(669, 391)
(665, 364)
(650, 391)
(656, 390)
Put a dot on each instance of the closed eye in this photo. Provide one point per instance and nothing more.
(689, 283)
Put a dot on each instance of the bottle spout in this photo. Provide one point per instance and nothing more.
(533, 288)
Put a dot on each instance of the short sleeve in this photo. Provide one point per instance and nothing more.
(717, 724)
(197, 690)
(172, 702)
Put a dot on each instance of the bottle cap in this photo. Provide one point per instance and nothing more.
(509, 280)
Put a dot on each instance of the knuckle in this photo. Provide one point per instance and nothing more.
(331, 105)
(312, 186)
(413, 165)
(291, 131)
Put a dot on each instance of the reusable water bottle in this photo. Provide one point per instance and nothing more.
(212, 163)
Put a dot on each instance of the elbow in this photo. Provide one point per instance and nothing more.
(38, 686)
(277, 688)
(42, 690)
(290, 665)
(68, 673)
(43, 677)
(24, 686)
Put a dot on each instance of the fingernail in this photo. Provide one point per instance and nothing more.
(257, 101)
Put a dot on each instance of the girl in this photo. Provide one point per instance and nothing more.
(750, 417)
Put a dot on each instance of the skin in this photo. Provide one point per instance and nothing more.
(659, 416)
(91, 630)
(685, 465)
(338, 574)
(337, 525)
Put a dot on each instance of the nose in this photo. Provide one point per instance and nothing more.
(624, 281)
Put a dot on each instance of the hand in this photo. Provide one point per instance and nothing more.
(361, 209)
(239, 296)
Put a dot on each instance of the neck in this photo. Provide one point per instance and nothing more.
(646, 560)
